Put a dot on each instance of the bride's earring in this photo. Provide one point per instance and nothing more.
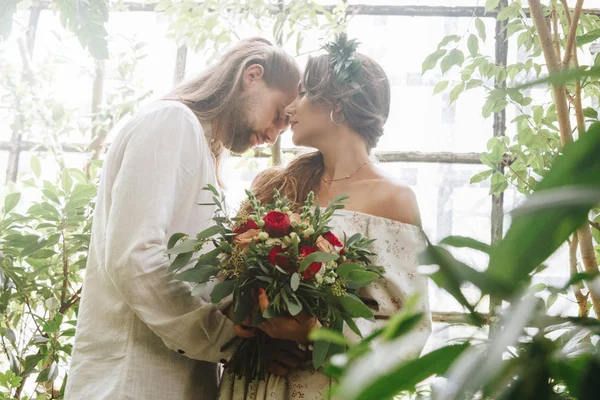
(333, 120)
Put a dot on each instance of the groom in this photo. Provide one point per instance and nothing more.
(140, 334)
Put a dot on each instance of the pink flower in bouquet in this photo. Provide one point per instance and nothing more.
(243, 240)
(331, 238)
(313, 268)
(276, 257)
(324, 245)
(277, 224)
(245, 227)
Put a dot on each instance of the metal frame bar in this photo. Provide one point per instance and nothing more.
(364, 9)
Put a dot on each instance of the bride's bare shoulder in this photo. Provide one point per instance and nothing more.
(396, 201)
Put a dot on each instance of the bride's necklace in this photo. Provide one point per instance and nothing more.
(347, 177)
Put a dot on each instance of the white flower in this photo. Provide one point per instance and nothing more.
(331, 265)
(329, 280)
(260, 223)
(273, 242)
(294, 224)
(285, 209)
(263, 236)
(303, 225)
(319, 278)
(294, 237)
(308, 232)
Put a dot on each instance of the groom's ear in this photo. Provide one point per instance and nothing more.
(254, 73)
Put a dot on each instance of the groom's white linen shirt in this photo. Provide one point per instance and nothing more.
(140, 333)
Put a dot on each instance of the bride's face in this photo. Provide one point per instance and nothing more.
(308, 121)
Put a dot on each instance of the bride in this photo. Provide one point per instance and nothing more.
(340, 110)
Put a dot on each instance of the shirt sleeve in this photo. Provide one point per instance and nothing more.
(163, 158)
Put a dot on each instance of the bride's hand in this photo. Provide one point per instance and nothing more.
(294, 328)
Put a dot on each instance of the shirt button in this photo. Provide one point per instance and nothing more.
(181, 351)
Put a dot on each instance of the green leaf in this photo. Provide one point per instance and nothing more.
(11, 201)
(440, 87)
(180, 261)
(328, 335)
(588, 37)
(49, 374)
(67, 181)
(32, 361)
(458, 89)
(590, 112)
(551, 299)
(482, 176)
(200, 273)
(491, 5)
(50, 195)
(184, 247)
(36, 168)
(447, 40)
(320, 350)
(319, 256)
(462, 241)
(362, 278)
(292, 303)
(432, 60)
(344, 270)
(295, 281)
(174, 239)
(498, 184)
(480, 26)
(455, 57)
(473, 45)
(363, 382)
(507, 12)
(222, 290)
(355, 307)
(209, 232)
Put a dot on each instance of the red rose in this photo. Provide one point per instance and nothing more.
(277, 224)
(276, 259)
(331, 238)
(246, 226)
(313, 268)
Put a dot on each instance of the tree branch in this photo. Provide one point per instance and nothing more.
(553, 64)
(572, 31)
(567, 12)
(74, 299)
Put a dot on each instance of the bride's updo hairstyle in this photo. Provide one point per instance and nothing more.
(365, 106)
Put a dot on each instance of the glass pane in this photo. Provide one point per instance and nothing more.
(418, 119)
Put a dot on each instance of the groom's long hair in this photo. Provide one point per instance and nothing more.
(215, 95)
(365, 108)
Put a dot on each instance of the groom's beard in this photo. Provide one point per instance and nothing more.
(237, 128)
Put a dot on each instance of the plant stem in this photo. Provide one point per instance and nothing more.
(581, 299)
(555, 29)
(572, 31)
(74, 299)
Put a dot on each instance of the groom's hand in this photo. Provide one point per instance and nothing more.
(294, 328)
(282, 356)
(244, 330)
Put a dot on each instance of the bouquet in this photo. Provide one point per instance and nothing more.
(293, 256)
